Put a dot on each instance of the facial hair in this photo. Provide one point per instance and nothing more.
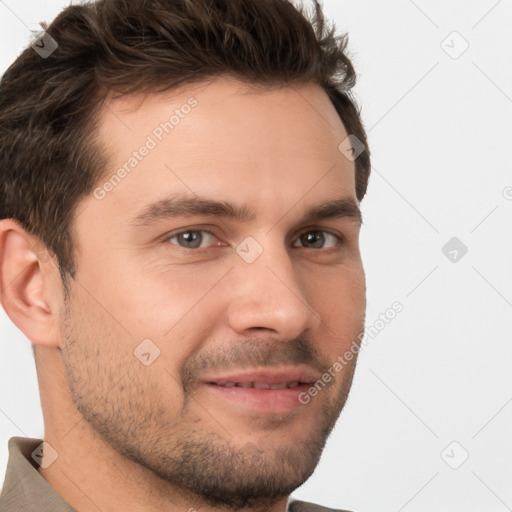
(182, 448)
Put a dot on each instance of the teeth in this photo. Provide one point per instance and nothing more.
(293, 384)
(244, 384)
(261, 385)
(281, 385)
(229, 385)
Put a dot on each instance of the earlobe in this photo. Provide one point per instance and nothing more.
(25, 284)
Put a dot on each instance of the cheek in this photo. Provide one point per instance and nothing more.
(95, 353)
(171, 306)
(172, 309)
(106, 378)
(153, 304)
(340, 300)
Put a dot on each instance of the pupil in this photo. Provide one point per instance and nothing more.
(192, 239)
(313, 238)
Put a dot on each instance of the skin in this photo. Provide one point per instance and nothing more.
(136, 437)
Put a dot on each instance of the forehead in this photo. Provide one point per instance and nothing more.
(217, 113)
(225, 137)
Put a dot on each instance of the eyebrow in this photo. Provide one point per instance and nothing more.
(183, 206)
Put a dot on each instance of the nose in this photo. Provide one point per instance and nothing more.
(269, 294)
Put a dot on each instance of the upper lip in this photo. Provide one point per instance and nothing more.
(302, 375)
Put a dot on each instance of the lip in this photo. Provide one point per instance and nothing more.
(263, 400)
(303, 375)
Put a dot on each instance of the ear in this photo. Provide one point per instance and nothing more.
(28, 290)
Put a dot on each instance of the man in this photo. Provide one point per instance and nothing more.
(181, 183)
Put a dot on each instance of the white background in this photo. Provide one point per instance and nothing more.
(441, 141)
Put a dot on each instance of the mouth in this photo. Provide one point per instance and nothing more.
(265, 389)
(260, 385)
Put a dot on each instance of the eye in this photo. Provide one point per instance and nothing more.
(315, 239)
(201, 239)
(192, 239)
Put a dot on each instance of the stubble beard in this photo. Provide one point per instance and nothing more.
(187, 453)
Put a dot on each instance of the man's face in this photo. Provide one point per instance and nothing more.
(226, 305)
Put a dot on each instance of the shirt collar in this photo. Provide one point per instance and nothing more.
(23, 485)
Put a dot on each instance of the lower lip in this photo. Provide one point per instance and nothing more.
(273, 400)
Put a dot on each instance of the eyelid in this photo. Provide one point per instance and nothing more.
(340, 236)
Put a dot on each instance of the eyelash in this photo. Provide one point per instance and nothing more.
(339, 238)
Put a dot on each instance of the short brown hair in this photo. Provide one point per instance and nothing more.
(49, 157)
